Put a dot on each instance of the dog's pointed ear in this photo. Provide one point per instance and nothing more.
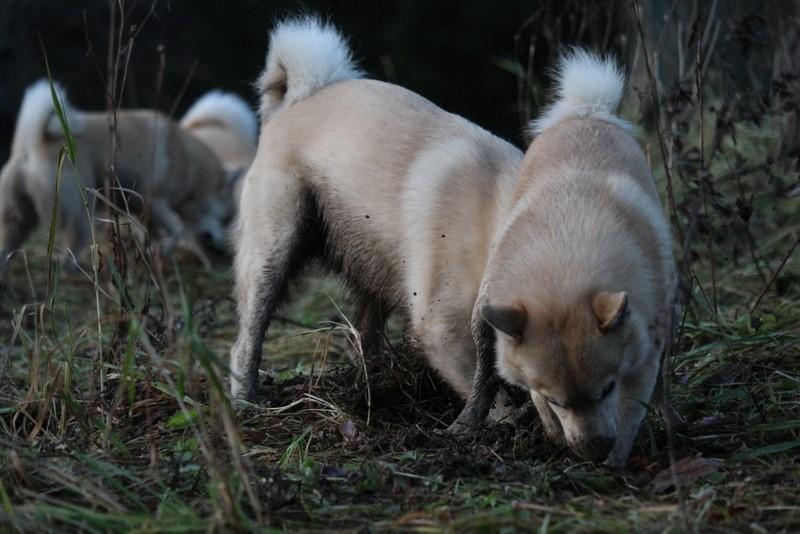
(507, 319)
(610, 309)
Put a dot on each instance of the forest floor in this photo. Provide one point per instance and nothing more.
(143, 440)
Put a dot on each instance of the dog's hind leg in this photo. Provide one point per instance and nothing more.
(267, 253)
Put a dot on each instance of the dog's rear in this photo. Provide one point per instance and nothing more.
(579, 283)
(228, 126)
(304, 57)
(28, 179)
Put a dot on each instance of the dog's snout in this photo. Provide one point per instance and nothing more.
(595, 449)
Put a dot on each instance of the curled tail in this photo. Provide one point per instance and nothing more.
(225, 109)
(587, 86)
(37, 120)
(304, 56)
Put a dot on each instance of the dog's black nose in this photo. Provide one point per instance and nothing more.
(595, 449)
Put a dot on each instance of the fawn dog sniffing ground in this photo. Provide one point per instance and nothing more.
(555, 269)
(580, 281)
(180, 180)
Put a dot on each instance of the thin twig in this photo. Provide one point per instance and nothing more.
(654, 102)
(666, 365)
(775, 274)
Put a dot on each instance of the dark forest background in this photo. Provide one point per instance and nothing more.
(447, 52)
(485, 60)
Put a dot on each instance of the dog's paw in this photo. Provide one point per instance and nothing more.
(463, 428)
(242, 407)
(459, 430)
(242, 397)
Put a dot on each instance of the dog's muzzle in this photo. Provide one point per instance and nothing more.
(594, 449)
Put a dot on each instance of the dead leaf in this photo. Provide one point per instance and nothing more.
(688, 470)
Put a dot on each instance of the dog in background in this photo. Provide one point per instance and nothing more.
(553, 272)
(229, 127)
(178, 178)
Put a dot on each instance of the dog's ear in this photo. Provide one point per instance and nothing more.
(507, 319)
(610, 309)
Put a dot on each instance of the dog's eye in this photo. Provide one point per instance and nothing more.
(608, 389)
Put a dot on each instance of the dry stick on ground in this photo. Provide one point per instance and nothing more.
(668, 346)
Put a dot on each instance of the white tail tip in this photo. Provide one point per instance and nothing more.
(226, 108)
(587, 86)
(37, 116)
(305, 54)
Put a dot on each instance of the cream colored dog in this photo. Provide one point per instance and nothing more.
(562, 273)
(228, 126)
(580, 280)
(180, 180)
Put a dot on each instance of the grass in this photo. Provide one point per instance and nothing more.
(150, 453)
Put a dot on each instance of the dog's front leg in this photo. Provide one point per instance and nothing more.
(636, 390)
(552, 426)
(485, 382)
(166, 217)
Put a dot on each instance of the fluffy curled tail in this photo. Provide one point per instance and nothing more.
(304, 56)
(37, 120)
(225, 109)
(587, 85)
